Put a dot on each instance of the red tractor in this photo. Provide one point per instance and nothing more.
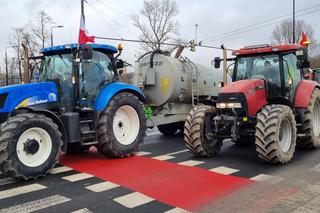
(267, 103)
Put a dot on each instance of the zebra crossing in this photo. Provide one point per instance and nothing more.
(105, 192)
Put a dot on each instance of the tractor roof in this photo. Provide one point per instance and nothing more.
(265, 48)
(61, 48)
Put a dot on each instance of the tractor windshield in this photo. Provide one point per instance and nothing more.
(265, 67)
(58, 68)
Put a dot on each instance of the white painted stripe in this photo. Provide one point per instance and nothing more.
(77, 177)
(178, 152)
(224, 170)
(142, 153)
(6, 181)
(163, 157)
(177, 210)
(191, 163)
(267, 178)
(60, 169)
(85, 210)
(21, 190)
(100, 187)
(133, 200)
(37, 204)
(316, 168)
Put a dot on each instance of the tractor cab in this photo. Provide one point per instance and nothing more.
(280, 67)
(93, 66)
(316, 73)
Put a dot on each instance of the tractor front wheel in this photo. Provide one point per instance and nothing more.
(121, 126)
(276, 134)
(30, 145)
(197, 141)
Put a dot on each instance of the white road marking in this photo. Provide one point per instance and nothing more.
(133, 200)
(224, 170)
(142, 153)
(20, 190)
(77, 177)
(85, 210)
(178, 152)
(177, 210)
(100, 187)
(6, 181)
(163, 157)
(316, 168)
(60, 169)
(37, 204)
(267, 178)
(191, 163)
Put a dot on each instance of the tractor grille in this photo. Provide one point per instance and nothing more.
(3, 98)
(233, 98)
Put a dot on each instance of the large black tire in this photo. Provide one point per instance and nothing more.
(108, 144)
(311, 124)
(16, 162)
(168, 129)
(274, 123)
(194, 132)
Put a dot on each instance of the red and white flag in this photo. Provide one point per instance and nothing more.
(83, 33)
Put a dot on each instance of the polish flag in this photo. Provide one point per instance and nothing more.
(83, 33)
(304, 40)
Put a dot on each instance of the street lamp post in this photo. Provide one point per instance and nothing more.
(51, 35)
(294, 22)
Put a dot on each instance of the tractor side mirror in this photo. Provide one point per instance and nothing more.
(216, 62)
(87, 52)
(119, 64)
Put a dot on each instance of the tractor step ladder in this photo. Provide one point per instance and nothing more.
(88, 136)
(194, 82)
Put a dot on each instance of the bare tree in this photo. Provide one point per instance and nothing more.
(157, 22)
(283, 33)
(41, 29)
(15, 39)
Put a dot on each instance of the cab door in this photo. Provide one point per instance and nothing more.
(292, 75)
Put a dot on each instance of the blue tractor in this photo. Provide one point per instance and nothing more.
(76, 102)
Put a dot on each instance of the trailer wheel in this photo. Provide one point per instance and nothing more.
(30, 145)
(168, 129)
(276, 134)
(194, 132)
(121, 126)
(311, 124)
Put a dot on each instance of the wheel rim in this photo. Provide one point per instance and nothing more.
(34, 147)
(126, 125)
(316, 118)
(285, 135)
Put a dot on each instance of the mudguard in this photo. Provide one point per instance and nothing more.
(304, 92)
(111, 90)
(24, 95)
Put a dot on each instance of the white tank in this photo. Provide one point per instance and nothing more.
(170, 80)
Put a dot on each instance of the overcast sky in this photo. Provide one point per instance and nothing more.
(111, 18)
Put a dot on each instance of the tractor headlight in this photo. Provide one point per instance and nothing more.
(229, 105)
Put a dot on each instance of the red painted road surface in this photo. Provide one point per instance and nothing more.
(181, 186)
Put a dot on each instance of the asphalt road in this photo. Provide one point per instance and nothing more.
(165, 177)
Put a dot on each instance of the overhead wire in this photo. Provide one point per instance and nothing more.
(258, 27)
(255, 26)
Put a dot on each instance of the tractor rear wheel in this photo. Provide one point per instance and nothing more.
(30, 145)
(276, 134)
(121, 126)
(311, 124)
(195, 132)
